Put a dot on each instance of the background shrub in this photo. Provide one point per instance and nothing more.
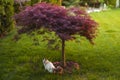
(6, 13)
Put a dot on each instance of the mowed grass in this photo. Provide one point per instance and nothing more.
(22, 60)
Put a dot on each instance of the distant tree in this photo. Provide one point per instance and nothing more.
(64, 22)
(35, 1)
(20, 5)
(71, 2)
(58, 2)
(117, 3)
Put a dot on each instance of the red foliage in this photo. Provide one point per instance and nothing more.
(64, 22)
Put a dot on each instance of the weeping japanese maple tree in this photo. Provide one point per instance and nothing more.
(64, 22)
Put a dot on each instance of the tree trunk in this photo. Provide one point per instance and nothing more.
(63, 53)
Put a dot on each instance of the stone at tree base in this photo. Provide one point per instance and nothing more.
(70, 66)
(58, 70)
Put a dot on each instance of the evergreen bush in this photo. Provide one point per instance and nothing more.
(6, 13)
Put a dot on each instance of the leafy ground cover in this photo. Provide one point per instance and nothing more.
(22, 60)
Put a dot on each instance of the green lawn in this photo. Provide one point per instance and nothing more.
(22, 60)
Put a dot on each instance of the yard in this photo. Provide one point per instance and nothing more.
(22, 60)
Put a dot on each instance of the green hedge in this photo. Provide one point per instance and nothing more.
(58, 2)
(6, 13)
(111, 3)
(71, 2)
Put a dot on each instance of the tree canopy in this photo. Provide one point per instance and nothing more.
(64, 22)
